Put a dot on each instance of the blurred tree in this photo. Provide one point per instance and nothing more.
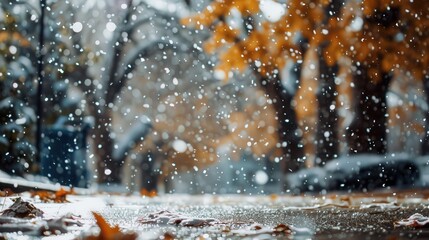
(318, 23)
(183, 105)
(383, 36)
(124, 46)
(19, 45)
(425, 142)
(246, 39)
(407, 110)
(16, 114)
(378, 37)
(327, 124)
(264, 44)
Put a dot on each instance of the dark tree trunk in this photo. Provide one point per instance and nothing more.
(288, 132)
(327, 117)
(150, 175)
(368, 131)
(425, 141)
(327, 145)
(109, 170)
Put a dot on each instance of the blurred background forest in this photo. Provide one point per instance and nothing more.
(209, 96)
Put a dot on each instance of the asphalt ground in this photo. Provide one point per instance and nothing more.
(331, 216)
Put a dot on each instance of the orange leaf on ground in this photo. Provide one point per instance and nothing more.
(6, 193)
(146, 193)
(107, 232)
(56, 197)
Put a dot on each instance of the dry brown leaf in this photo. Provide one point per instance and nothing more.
(6, 193)
(22, 209)
(282, 228)
(168, 236)
(107, 232)
(274, 197)
(59, 196)
(171, 218)
(416, 220)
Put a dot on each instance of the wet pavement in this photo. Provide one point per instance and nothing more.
(333, 216)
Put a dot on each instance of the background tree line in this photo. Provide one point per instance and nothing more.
(351, 51)
(374, 41)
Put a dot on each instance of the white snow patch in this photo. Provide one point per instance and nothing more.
(77, 27)
(261, 177)
(111, 26)
(271, 10)
(179, 146)
(356, 25)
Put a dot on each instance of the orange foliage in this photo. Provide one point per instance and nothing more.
(252, 128)
(393, 32)
(59, 196)
(186, 123)
(225, 34)
(382, 35)
(269, 43)
(108, 232)
(6, 36)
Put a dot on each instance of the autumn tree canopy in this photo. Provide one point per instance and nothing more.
(378, 37)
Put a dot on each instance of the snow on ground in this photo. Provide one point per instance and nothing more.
(334, 216)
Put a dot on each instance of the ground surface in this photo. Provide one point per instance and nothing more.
(333, 216)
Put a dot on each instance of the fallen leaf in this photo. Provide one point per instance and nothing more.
(71, 219)
(53, 227)
(22, 209)
(167, 236)
(6, 193)
(59, 196)
(167, 217)
(255, 227)
(380, 207)
(416, 220)
(39, 226)
(273, 197)
(107, 232)
(146, 193)
(256, 230)
(282, 228)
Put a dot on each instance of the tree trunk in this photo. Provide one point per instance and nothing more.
(368, 131)
(108, 170)
(288, 131)
(425, 141)
(327, 145)
(150, 175)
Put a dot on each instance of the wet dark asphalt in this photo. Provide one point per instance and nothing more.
(334, 216)
(359, 217)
